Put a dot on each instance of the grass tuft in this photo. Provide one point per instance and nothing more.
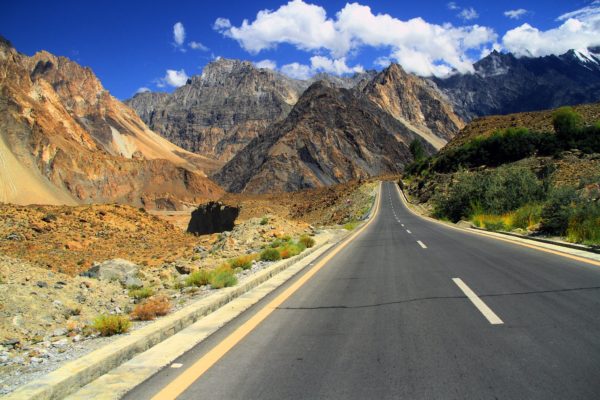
(151, 308)
(109, 325)
(140, 293)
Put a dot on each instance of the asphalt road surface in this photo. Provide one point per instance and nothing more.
(412, 309)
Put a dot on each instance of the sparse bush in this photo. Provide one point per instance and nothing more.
(49, 217)
(109, 325)
(270, 255)
(151, 308)
(307, 241)
(557, 210)
(566, 123)
(222, 277)
(584, 223)
(527, 216)
(141, 293)
(417, 150)
(198, 278)
(243, 262)
(493, 192)
(264, 221)
(350, 225)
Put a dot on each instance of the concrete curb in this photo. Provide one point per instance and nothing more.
(78, 373)
(574, 246)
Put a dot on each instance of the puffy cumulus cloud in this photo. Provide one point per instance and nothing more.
(197, 46)
(336, 67)
(297, 71)
(178, 34)
(320, 64)
(468, 14)
(173, 78)
(580, 29)
(303, 25)
(268, 64)
(421, 47)
(143, 89)
(515, 14)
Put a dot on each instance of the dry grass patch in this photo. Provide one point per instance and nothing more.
(151, 308)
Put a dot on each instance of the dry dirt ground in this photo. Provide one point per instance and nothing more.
(46, 308)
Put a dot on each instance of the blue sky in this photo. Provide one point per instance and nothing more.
(132, 45)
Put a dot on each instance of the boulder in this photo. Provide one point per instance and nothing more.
(115, 270)
(213, 217)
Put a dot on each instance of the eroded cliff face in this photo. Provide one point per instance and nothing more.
(232, 102)
(219, 112)
(332, 135)
(64, 139)
(415, 102)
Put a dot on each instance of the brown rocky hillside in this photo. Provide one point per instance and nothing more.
(65, 140)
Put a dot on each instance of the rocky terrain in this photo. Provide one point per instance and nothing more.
(65, 140)
(220, 111)
(62, 266)
(503, 83)
(332, 135)
(537, 121)
(416, 103)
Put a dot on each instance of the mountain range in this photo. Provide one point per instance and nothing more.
(65, 139)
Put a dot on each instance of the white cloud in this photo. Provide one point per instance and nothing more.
(221, 24)
(307, 27)
(515, 14)
(320, 64)
(453, 6)
(143, 89)
(335, 67)
(268, 64)
(178, 34)
(468, 14)
(296, 71)
(580, 30)
(198, 46)
(173, 78)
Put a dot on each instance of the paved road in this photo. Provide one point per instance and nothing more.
(384, 319)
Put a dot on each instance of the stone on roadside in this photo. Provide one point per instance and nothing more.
(117, 269)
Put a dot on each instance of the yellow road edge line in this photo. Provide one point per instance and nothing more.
(196, 370)
(516, 242)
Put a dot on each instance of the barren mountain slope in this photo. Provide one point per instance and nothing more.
(332, 135)
(65, 140)
(415, 102)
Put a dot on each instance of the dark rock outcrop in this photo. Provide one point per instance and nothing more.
(212, 217)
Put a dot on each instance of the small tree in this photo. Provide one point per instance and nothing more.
(417, 150)
(567, 122)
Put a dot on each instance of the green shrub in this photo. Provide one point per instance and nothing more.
(495, 191)
(109, 325)
(243, 262)
(495, 225)
(584, 223)
(264, 221)
(270, 255)
(527, 216)
(307, 241)
(566, 123)
(198, 278)
(557, 210)
(351, 225)
(141, 293)
(222, 277)
(417, 150)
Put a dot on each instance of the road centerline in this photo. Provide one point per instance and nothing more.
(478, 303)
(421, 244)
